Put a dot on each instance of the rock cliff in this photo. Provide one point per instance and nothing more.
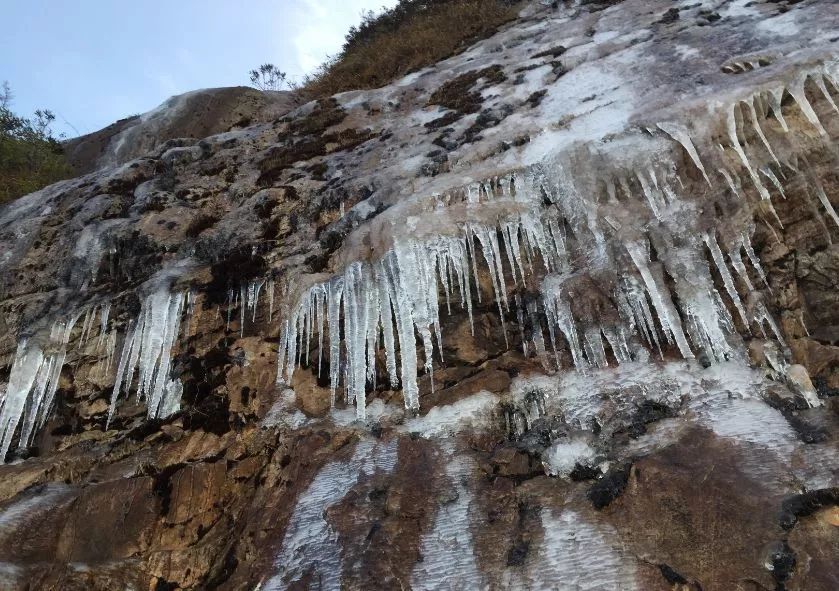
(559, 312)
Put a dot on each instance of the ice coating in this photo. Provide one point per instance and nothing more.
(448, 549)
(32, 384)
(564, 201)
(147, 347)
(309, 541)
(577, 554)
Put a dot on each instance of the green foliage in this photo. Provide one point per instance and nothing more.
(30, 157)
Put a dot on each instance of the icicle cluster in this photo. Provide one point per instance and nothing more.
(389, 303)
(32, 385)
(385, 302)
(35, 374)
(538, 230)
(147, 352)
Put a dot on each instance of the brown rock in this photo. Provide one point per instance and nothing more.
(312, 399)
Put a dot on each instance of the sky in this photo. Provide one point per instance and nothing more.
(93, 62)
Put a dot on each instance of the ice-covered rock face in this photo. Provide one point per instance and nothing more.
(541, 288)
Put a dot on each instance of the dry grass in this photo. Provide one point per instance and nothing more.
(420, 37)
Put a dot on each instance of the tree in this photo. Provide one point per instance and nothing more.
(30, 156)
(269, 77)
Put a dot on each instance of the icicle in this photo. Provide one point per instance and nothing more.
(513, 239)
(32, 384)
(538, 238)
(88, 320)
(737, 263)
(270, 299)
(445, 279)
(538, 337)
(59, 337)
(796, 89)
(761, 315)
(558, 313)
(470, 247)
(747, 245)
(735, 143)
(333, 315)
(756, 124)
(25, 368)
(229, 309)
(371, 300)
(558, 236)
(727, 279)
(243, 295)
(147, 347)
(617, 341)
(767, 172)
(414, 293)
(355, 336)
(47, 375)
(595, 351)
(775, 104)
(407, 341)
(109, 352)
(820, 83)
(680, 133)
(385, 299)
(704, 323)
(651, 198)
(103, 323)
(251, 298)
(520, 320)
(164, 398)
(663, 305)
(637, 298)
(489, 246)
(508, 247)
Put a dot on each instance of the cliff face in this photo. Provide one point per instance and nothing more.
(559, 312)
(193, 115)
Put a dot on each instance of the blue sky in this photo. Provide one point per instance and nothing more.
(95, 61)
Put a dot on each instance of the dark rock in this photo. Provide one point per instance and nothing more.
(609, 487)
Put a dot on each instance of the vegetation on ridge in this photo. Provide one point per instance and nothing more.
(30, 156)
(411, 35)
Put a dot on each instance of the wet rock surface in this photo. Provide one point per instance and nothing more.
(572, 434)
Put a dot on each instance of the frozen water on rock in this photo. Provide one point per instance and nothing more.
(599, 125)
(562, 456)
(29, 504)
(661, 299)
(310, 545)
(33, 381)
(577, 554)
(725, 273)
(448, 550)
(393, 298)
(147, 351)
(284, 413)
(470, 413)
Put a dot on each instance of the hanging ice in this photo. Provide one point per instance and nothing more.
(147, 348)
(32, 384)
(395, 299)
(661, 300)
(727, 279)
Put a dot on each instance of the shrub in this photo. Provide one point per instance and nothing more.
(269, 77)
(411, 35)
(30, 157)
